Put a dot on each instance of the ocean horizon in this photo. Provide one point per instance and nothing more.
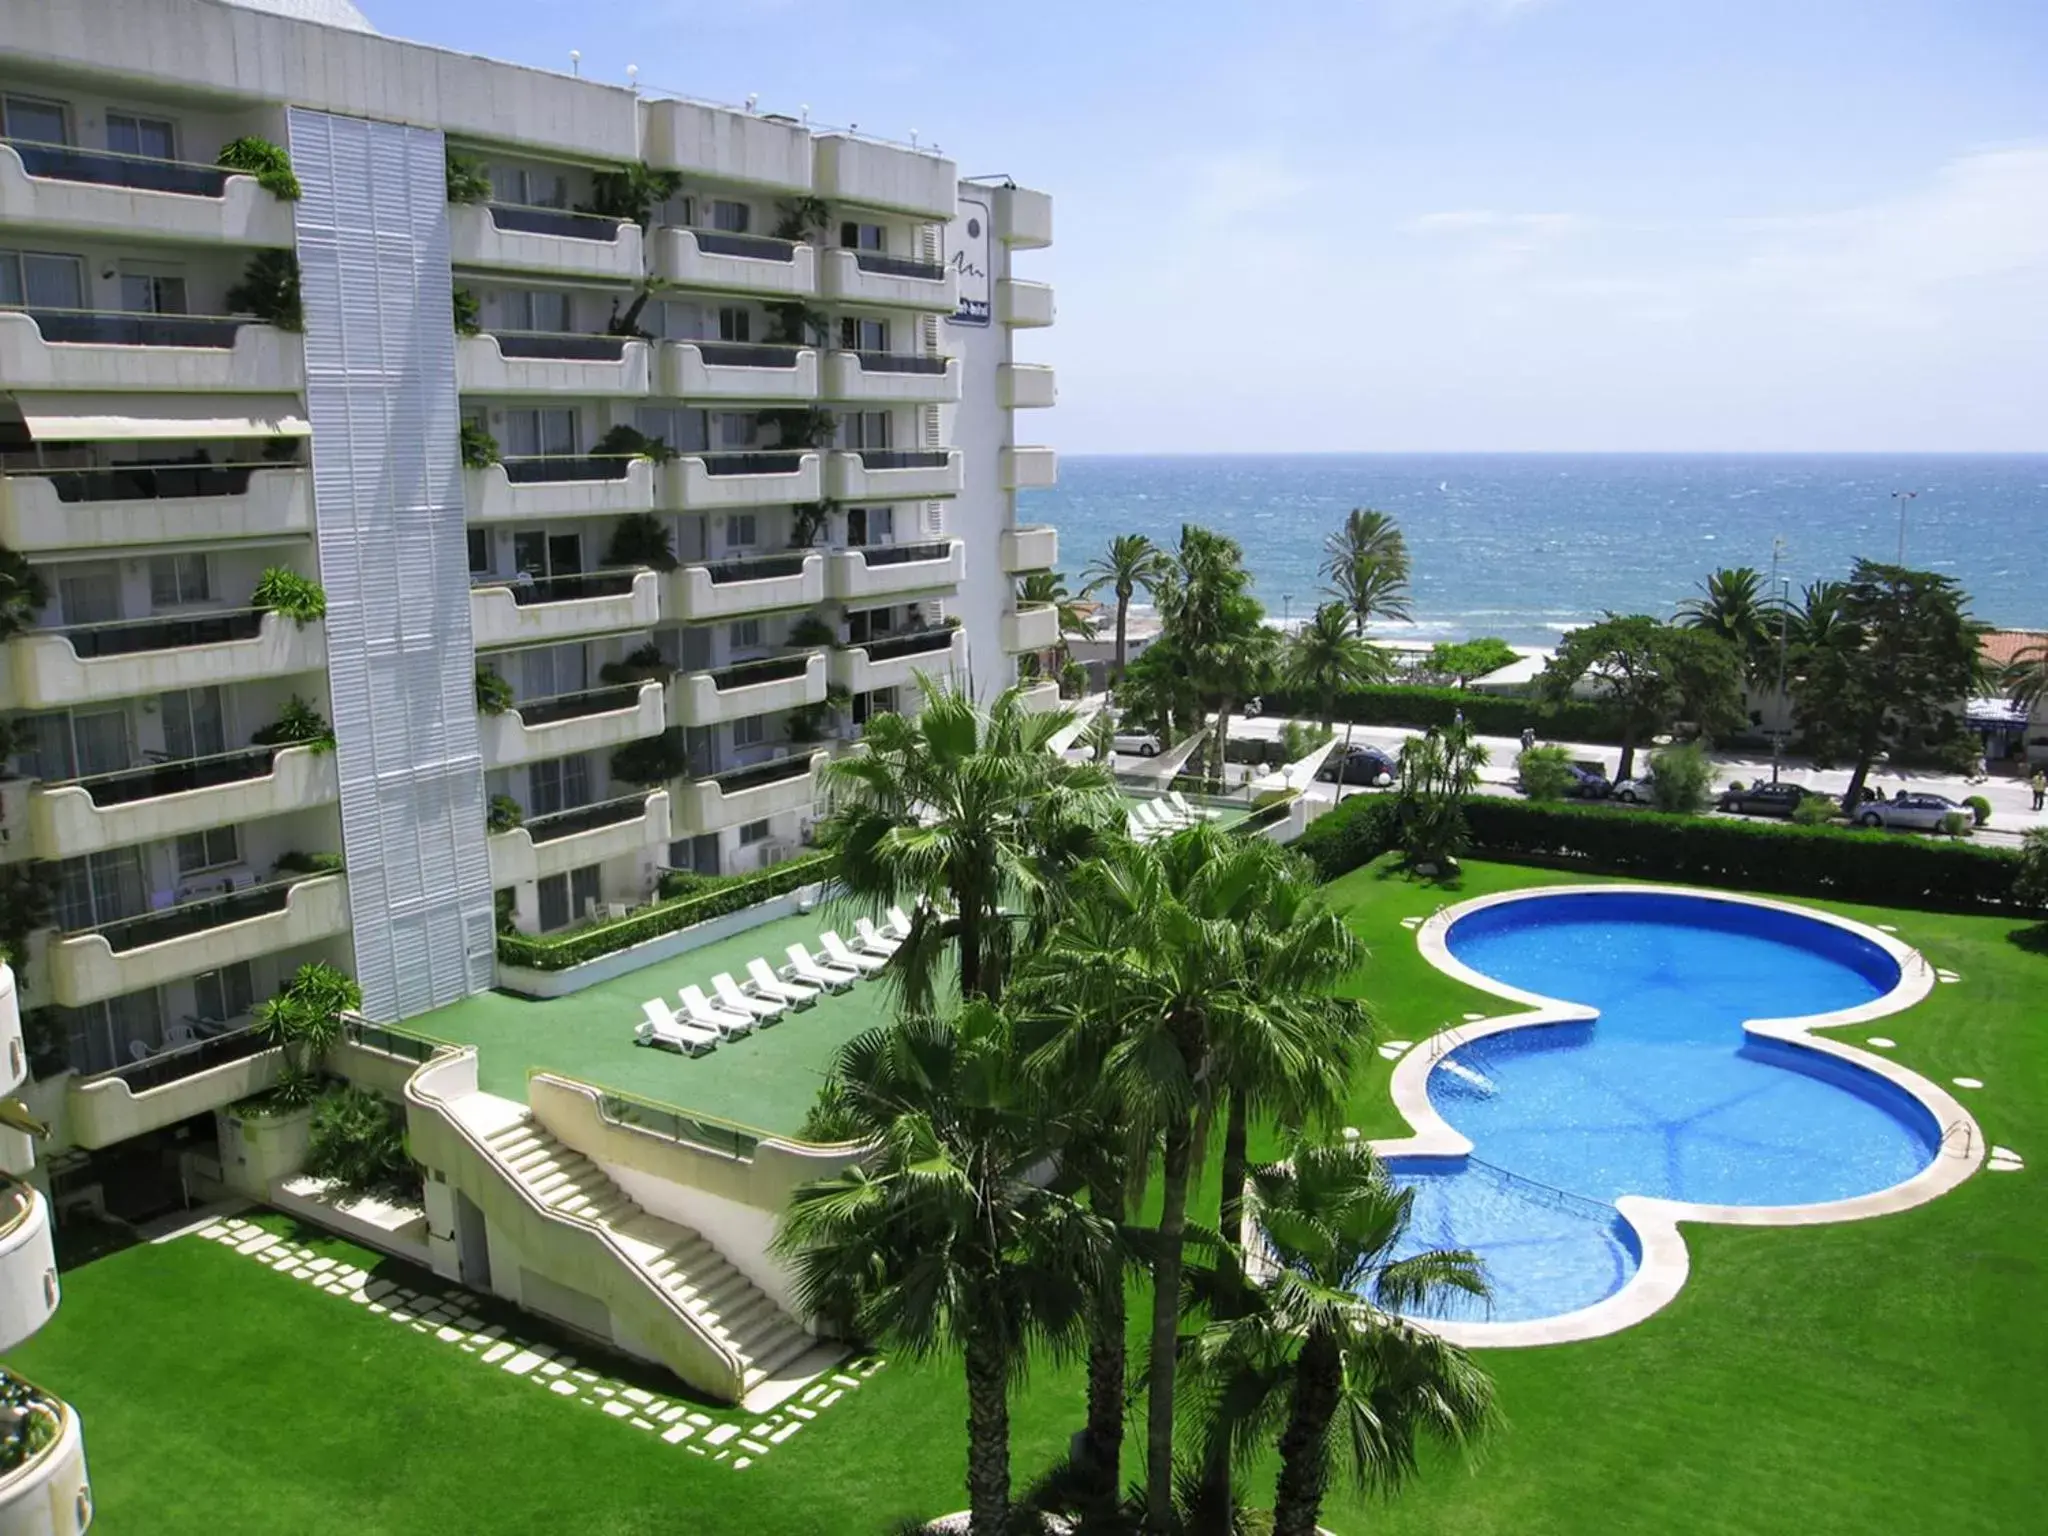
(1529, 545)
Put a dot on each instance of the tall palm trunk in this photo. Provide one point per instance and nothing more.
(988, 1439)
(1236, 1166)
(1213, 1497)
(1183, 1152)
(1103, 1439)
(1305, 1442)
(1123, 614)
(1222, 740)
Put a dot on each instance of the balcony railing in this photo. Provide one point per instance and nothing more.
(899, 266)
(742, 354)
(900, 362)
(903, 458)
(575, 706)
(777, 461)
(570, 589)
(109, 168)
(125, 637)
(123, 328)
(757, 568)
(550, 469)
(750, 674)
(719, 242)
(561, 346)
(524, 220)
(180, 1062)
(905, 554)
(889, 647)
(158, 779)
(152, 482)
(191, 917)
(586, 818)
(776, 770)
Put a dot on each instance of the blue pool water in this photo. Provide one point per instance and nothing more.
(1662, 1095)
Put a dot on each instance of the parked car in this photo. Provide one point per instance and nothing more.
(1641, 789)
(1144, 743)
(1762, 799)
(1916, 813)
(1359, 765)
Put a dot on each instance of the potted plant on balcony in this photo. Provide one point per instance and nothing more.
(810, 426)
(641, 539)
(267, 162)
(493, 693)
(479, 448)
(469, 179)
(794, 323)
(28, 891)
(809, 519)
(625, 441)
(642, 665)
(809, 632)
(305, 1019)
(28, 1424)
(468, 312)
(801, 218)
(269, 290)
(651, 760)
(631, 192)
(283, 590)
(357, 1144)
(298, 724)
(503, 814)
(23, 593)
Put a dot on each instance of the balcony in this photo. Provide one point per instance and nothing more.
(58, 186)
(593, 720)
(864, 577)
(533, 612)
(527, 489)
(708, 482)
(759, 150)
(728, 588)
(117, 958)
(510, 238)
(164, 504)
(886, 377)
(140, 805)
(1025, 386)
(850, 170)
(171, 1086)
(1031, 627)
(749, 688)
(1032, 547)
(58, 668)
(756, 264)
(588, 834)
(897, 282)
(28, 1263)
(550, 363)
(731, 370)
(1030, 469)
(1021, 304)
(84, 349)
(895, 660)
(732, 799)
(1023, 218)
(1040, 697)
(48, 1495)
(895, 474)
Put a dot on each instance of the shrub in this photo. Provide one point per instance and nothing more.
(23, 592)
(305, 1018)
(268, 163)
(642, 665)
(493, 693)
(298, 724)
(631, 192)
(503, 814)
(469, 179)
(1980, 809)
(1459, 661)
(641, 538)
(295, 862)
(558, 952)
(626, 441)
(810, 630)
(1488, 714)
(269, 290)
(2030, 883)
(1355, 833)
(358, 1141)
(468, 313)
(283, 590)
(1546, 773)
(479, 448)
(28, 1425)
(652, 759)
(1298, 740)
(28, 893)
(1073, 679)
(1956, 824)
(1681, 779)
(1814, 811)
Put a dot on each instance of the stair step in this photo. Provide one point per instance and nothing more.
(747, 1315)
(787, 1344)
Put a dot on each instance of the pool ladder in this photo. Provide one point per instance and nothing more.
(1962, 1130)
(1444, 1041)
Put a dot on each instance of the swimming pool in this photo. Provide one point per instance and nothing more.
(1634, 1083)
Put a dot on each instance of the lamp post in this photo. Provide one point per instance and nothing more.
(1902, 497)
(1286, 608)
(1779, 585)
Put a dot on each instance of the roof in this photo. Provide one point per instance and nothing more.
(2001, 647)
(327, 13)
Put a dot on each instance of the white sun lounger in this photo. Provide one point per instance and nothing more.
(659, 1026)
(699, 1009)
(872, 940)
(762, 982)
(1191, 811)
(1151, 816)
(837, 953)
(896, 924)
(727, 991)
(803, 967)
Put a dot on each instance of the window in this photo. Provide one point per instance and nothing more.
(228, 993)
(177, 581)
(41, 280)
(857, 335)
(529, 434)
(104, 1035)
(750, 731)
(742, 530)
(153, 137)
(536, 552)
(195, 723)
(753, 832)
(525, 310)
(559, 784)
(40, 122)
(102, 740)
(570, 898)
(683, 430)
(90, 596)
(533, 189)
(152, 291)
(735, 324)
(865, 429)
(863, 237)
(870, 525)
(551, 670)
(680, 211)
(734, 218)
(554, 903)
(42, 746)
(211, 849)
(479, 552)
(744, 635)
(100, 888)
(735, 429)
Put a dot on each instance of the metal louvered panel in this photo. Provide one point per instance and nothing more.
(387, 495)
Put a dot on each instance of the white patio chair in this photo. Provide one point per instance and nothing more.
(659, 1026)
(699, 1009)
(1191, 811)
(837, 953)
(896, 924)
(765, 1010)
(762, 982)
(804, 967)
(869, 939)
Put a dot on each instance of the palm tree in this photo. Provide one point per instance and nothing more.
(1816, 621)
(1214, 631)
(1132, 561)
(1366, 565)
(943, 1243)
(1325, 1351)
(2026, 675)
(23, 592)
(1325, 658)
(971, 819)
(1733, 605)
(1050, 587)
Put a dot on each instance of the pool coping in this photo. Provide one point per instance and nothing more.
(1656, 1221)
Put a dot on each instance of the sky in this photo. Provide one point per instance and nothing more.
(1449, 225)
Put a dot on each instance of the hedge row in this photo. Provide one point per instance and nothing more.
(1489, 714)
(1882, 868)
(558, 952)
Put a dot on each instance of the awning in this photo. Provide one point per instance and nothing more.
(68, 418)
(1996, 715)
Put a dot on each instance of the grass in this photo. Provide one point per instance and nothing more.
(1880, 1376)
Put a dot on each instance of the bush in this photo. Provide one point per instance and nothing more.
(810, 630)
(503, 814)
(1073, 679)
(269, 290)
(469, 180)
(358, 1141)
(269, 164)
(298, 724)
(296, 862)
(558, 952)
(1980, 809)
(479, 448)
(468, 313)
(627, 441)
(1298, 740)
(1358, 831)
(652, 759)
(1488, 714)
(1546, 773)
(1681, 779)
(642, 665)
(1956, 824)
(1814, 811)
(1459, 661)
(283, 590)
(641, 538)
(493, 693)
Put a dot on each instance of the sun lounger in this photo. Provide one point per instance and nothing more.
(1156, 818)
(726, 991)
(1191, 811)
(871, 940)
(803, 967)
(896, 924)
(762, 982)
(837, 953)
(699, 1009)
(658, 1026)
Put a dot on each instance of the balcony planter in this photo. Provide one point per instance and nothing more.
(28, 1263)
(863, 575)
(727, 588)
(92, 509)
(1029, 469)
(124, 353)
(728, 145)
(171, 1086)
(549, 240)
(532, 489)
(588, 834)
(1021, 304)
(891, 376)
(706, 258)
(896, 660)
(256, 1148)
(1025, 386)
(526, 363)
(48, 1492)
(1031, 627)
(850, 170)
(704, 482)
(895, 282)
(54, 669)
(142, 805)
(65, 187)
(1023, 218)
(752, 688)
(594, 720)
(731, 799)
(895, 474)
(719, 370)
(562, 607)
(1031, 547)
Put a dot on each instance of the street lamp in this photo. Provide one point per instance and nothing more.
(1286, 608)
(1781, 586)
(1902, 497)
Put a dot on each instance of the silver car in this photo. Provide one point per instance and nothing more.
(1912, 813)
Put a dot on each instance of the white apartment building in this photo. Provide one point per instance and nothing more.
(623, 520)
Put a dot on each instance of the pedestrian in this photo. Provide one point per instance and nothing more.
(1528, 737)
(2039, 785)
(1983, 770)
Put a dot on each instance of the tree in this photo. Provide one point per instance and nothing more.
(1326, 1352)
(1438, 770)
(1131, 561)
(1681, 779)
(1900, 659)
(305, 1018)
(1463, 660)
(942, 1242)
(1213, 629)
(1655, 674)
(2026, 676)
(23, 592)
(1324, 658)
(969, 819)
(2030, 885)
(1733, 605)
(1545, 772)
(1366, 566)
(1051, 587)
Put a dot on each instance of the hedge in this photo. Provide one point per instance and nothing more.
(1883, 868)
(1487, 713)
(558, 952)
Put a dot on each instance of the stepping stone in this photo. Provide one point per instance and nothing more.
(216, 1230)
(450, 1335)
(377, 1290)
(762, 1428)
(583, 1376)
(676, 1434)
(784, 1433)
(721, 1434)
(811, 1393)
(845, 1381)
(2006, 1152)
(802, 1412)
(1884, 1042)
(1474, 1018)
(520, 1363)
(400, 1315)
(258, 1243)
(480, 1340)
(497, 1331)
(1967, 1082)
(642, 1423)
(832, 1397)
(617, 1410)
(670, 1415)
(755, 1446)
(701, 1420)
(636, 1395)
(379, 1308)
(562, 1388)
(1887, 928)
(323, 1265)
(741, 1461)
(604, 1392)
(550, 1369)
(469, 1322)
(1391, 1051)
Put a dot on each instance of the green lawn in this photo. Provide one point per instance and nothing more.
(1886, 1376)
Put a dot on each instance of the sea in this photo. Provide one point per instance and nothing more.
(1527, 546)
